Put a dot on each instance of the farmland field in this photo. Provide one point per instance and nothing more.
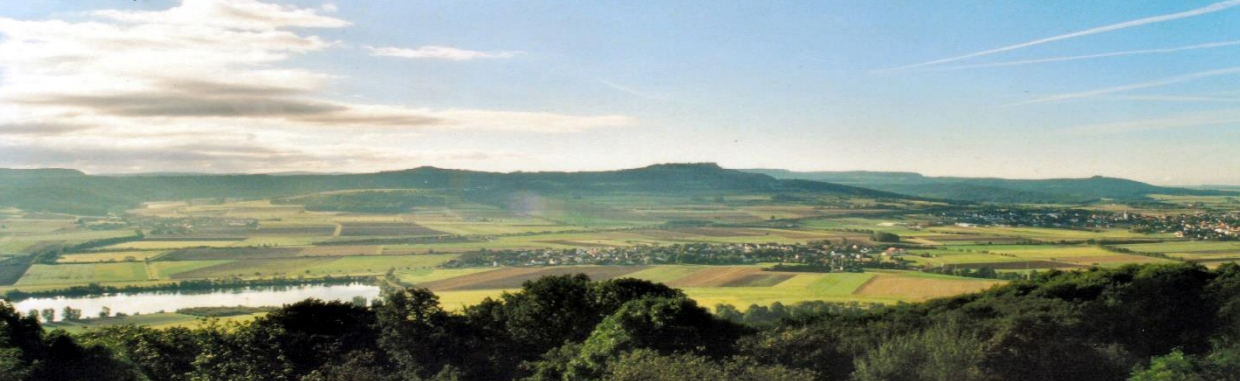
(83, 273)
(167, 270)
(168, 245)
(1206, 252)
(289, 241)
(111, 256)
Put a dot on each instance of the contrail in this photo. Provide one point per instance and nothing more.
(1186, 120)
(1173, 98)
(1088, 56)
(1102, 29)
(631, 91)
(1142, 85)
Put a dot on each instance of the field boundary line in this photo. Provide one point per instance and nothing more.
(859, 289)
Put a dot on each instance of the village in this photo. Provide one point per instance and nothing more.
(820, 255)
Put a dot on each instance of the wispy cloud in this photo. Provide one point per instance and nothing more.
(1211, 45)
(1102, 29)
(635, 92)
(1211, 118)
(1134, 86)
(439, 53)
(1175, 98)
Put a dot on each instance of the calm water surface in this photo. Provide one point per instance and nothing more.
(152, 302)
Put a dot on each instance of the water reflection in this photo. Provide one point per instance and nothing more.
(170, 301)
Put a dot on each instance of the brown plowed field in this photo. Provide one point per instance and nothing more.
(715, 277)
(341, 250)
(203, 254)
(364, 229)
(314, 230)
(759, 280)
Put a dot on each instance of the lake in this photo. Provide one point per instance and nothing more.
(153, 302)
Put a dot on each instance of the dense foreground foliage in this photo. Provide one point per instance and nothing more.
(1168, 322)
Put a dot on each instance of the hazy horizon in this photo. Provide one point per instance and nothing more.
(192, 173)
(1143, 91)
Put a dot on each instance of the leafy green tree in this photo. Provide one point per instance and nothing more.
(550, 311)
(311, 332)
(417, 334)
(70, 314)
(1152, 310)
(1045, 339)
(239, 352)
(357, 366)
(817, 348)
(886, 237)
(547, 314)
(159, 354)
(66, 360)
(1174, 366)
(729, 313)
(647, 365)
(660, 324)
(940, 353)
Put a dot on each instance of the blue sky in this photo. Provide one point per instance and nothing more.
(542, 85)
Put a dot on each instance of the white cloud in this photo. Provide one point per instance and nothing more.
(1102, 29)
(233, 14)
(438, 52)
(209, 71)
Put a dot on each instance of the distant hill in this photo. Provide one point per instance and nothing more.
(1234, 188)
(1080, 190)
(69, 191)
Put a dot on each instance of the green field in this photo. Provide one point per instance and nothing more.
(378, 264)
(1185, 247)
(166, 270)
(663, 274)
(70, 274)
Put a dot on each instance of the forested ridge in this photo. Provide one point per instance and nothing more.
(997, 190)
(69, 191)
(1152, 322)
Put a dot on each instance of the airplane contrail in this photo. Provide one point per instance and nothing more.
(1142, 85)
(1087, 56)
(1102, 29)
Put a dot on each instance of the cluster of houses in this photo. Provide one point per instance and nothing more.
(194, 225)
(836, 257)
(1044, 218)
(1200, 226)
